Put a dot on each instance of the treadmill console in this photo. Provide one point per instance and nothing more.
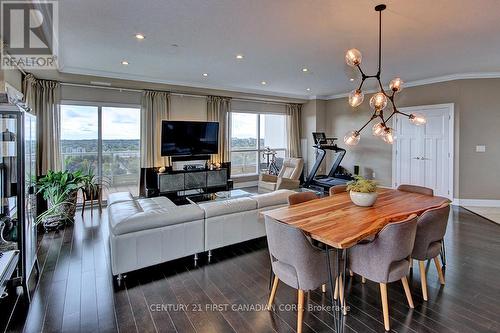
(320, 140)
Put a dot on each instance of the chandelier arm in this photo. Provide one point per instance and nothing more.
(369, 121)
(379, 45)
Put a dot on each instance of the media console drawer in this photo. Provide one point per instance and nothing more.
(171, 182)
(189, 180)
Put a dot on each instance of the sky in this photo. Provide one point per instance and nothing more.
(80, 123)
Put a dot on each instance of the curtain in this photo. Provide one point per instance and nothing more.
(155, 107)
(293, 129)
(218, 109)
(43, 98)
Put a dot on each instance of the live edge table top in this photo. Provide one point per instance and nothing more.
(337, 222)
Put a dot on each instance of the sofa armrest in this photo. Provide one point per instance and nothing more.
(268, 178)
(286, 183)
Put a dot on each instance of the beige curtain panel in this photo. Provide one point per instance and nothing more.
(218, 109)
(155, 107)
(293, 129)
(43, 97)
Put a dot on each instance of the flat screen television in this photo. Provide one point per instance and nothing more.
(187, 138)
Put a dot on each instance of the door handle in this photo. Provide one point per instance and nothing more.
(424, 158)
(416, 158)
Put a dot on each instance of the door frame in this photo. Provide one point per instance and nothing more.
(451, 140)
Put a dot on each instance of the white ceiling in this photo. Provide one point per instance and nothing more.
(422, 39)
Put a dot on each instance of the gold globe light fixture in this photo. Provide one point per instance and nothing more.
(380, 101)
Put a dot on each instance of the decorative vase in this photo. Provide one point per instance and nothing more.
(363, 199)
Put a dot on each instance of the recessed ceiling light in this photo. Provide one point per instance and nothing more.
(351, 79)
(263, 83)
(205, 74)
(308, 89)
(140, 36)
(239, 56)
(125, 62)
(305, 70)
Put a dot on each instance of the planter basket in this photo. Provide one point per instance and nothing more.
(64, 213)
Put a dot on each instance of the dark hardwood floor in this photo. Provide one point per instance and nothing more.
(77, 294)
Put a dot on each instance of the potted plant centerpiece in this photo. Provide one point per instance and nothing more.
(363, 192)
(60, 190)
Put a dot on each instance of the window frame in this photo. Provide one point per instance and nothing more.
(99, 106)
(259, 148)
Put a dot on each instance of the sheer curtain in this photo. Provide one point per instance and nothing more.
(293, 129)
(155, 107)
(218, 109)
(43, 97)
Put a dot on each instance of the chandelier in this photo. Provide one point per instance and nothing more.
(380, 100)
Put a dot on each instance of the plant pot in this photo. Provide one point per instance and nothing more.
(91, 193)
(363, 199)
(64, 213)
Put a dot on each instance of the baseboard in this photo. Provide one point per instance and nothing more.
(476, 202)
(245, 184)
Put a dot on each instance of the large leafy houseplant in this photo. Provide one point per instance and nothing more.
(60, 190)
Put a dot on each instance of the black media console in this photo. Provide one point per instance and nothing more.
(184, 180)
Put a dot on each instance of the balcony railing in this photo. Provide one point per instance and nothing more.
(120, 168)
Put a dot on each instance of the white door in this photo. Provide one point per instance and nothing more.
(423, 155)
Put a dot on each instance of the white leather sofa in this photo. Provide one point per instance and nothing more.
(146, 232)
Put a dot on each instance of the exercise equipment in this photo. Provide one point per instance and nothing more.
(337, 174)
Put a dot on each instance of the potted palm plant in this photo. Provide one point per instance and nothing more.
(60, 190)
(93, 185)
(363, 192)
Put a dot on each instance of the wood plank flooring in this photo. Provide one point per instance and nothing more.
(77, 294)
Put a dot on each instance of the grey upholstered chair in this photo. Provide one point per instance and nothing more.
(338, 189)
(295, 262)
(431, 228)
(386, 259)
(301, 197)
(416, 189)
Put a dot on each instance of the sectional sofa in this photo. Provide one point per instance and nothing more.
(150, 231)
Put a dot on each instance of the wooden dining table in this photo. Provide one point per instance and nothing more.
(339, 224)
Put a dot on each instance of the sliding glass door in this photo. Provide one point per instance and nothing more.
(104, 139)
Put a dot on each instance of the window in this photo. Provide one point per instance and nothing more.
(107, 139)
(251, 133)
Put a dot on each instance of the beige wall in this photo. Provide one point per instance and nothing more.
(12, 77)
(313, 120)
(477, 122)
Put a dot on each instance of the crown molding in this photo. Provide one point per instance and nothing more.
(196, 85)
(437, 79)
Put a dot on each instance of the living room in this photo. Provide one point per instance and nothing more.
(249, 166)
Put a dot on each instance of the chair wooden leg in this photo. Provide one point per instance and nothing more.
(423, 279)
(407, 292)
(323, 288)
(385, 306)
(363, 279)
(440, 271)
(341, 295)
(273, 293)
(336, 292)
(300, 309)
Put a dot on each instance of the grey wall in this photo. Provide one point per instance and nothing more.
(313, 120)
(477, 122)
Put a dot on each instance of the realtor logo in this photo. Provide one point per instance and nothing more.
(29, 31)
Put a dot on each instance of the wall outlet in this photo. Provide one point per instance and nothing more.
(480, 149)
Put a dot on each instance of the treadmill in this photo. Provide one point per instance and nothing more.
(336, 176)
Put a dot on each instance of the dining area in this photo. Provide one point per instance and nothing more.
(325, 243)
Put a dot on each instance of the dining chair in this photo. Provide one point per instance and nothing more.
(416, 189)
(431, 228)
(301, 197)
(425, 191)
(386, 259)
(294, 262)
(337, 189)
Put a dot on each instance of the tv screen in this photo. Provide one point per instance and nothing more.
(184, 138)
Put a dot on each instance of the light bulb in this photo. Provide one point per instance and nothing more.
(356, 98)
(351, 138)
(378, 101)
(417, 119)
(353, 57)
(388, 136)
(378, 129)
(396, 84)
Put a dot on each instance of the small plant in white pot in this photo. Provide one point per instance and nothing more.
(363, 192)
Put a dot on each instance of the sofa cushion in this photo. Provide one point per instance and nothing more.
(137, 215)
(119, 197)
(279, 197)
(217, 208)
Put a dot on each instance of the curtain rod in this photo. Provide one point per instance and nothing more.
(174, 94)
